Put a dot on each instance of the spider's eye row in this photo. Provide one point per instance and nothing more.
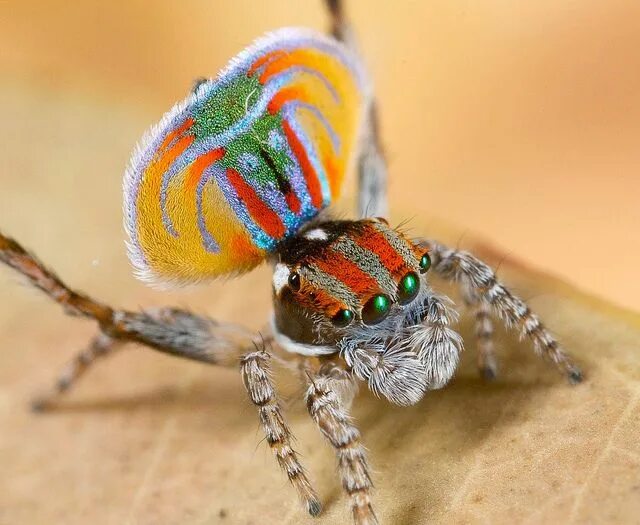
(376, 309)
(408, 288)
(294, 281)
(343, 318)
(425, 263)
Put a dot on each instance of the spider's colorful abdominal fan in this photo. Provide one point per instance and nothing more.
(245, 160)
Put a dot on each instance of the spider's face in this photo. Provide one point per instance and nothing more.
(345, 280)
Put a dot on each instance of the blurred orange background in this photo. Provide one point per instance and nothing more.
(515, 120)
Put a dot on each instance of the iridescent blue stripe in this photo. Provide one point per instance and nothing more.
(313, 73)
(208, 241)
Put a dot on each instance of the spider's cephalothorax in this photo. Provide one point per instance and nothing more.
(237, 174)
(342, 280)
(360, 288)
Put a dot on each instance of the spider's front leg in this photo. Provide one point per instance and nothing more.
(328, 411)
(256, 377)
(481, 281)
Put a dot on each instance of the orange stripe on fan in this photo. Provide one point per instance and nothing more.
(244, 251)
(300, 57)
(173, 153)
(178, 131)
(332, 174)
(261, 214)
(293, 202)
(285, 95)
(200, 164)
(310, 175)
(264, 59)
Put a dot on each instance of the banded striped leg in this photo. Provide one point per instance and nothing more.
(335, 424)
(372, 168)
(255, 375)
(487, 364)
(468, 271)
(100, 346)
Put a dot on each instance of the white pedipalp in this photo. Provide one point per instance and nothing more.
(294, 347)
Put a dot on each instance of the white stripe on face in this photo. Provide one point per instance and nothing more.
(280, 277)
(317, 234)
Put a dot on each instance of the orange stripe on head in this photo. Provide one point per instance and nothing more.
(310, 175)
(337, 265)
(261, 214)
(315, 298)
(371, 239)
(195, 170)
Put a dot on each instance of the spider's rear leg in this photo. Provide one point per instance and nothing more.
(333, 420)
(100, 346)
(169, 330)
(255, 374)
(483, 328)
(372, 167)
(468, 271)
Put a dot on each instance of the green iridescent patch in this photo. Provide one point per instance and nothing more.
(226, 106)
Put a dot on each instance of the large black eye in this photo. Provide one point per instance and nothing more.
(425, 263)
(342, 318)
(408, 288)
(294, 281)
(376, 309)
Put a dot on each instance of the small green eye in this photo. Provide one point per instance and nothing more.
(376, 309)
(342, 318)
(408, 288)
(425, 263)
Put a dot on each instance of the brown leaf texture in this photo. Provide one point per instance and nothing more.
(150, 439)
